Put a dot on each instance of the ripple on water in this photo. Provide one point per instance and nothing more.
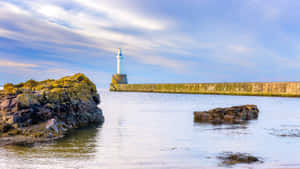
(147, 130)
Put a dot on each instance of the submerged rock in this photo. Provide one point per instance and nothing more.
(40, 111)
(285, 132)
(230, 158)
(231, 115)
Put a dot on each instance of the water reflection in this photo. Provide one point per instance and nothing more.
(80, 143)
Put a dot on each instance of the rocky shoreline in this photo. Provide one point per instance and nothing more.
(42, 111)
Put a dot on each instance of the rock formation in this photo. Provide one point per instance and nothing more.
(230, 158)
(46, 110)
(231, 115)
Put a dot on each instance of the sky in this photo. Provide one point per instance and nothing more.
(169, 41)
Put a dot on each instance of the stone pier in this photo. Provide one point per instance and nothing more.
(284, 89)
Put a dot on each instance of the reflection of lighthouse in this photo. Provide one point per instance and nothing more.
(119, 60)
(120, 77)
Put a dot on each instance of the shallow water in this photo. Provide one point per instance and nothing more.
(148, 130)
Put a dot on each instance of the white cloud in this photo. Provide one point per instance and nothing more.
(173, 64)
(7, 63)
(239, 48)
(13, 8)
(52, 11)
(122, 16)
(50, 23)
(16, 72)
(107, 25)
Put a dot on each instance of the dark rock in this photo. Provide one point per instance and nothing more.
(5, 127)
(47, 110)
(231, 115)
(229, 158)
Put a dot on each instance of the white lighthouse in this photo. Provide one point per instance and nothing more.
(120, 77)
(119, 61)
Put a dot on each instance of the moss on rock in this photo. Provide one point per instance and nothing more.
(26, 100)
(27, 108)
(78, 86)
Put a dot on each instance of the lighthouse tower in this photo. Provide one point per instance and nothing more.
(120, 77)
(119, 61)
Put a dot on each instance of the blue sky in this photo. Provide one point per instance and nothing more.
(162, 41)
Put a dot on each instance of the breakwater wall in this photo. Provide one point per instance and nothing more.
(284, 89)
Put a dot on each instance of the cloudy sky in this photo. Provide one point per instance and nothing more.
(162, 41)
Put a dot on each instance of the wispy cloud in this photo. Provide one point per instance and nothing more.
(239, 48)
(176, 65)
(169, 35)
(6, 63)
(123, 17)
(90, 27)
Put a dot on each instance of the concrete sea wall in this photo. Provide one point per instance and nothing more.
(285, 89)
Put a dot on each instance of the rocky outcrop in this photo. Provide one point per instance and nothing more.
(231, 115)
(40, 111)
(230, 158)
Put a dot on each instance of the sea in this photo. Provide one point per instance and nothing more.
(157, 131)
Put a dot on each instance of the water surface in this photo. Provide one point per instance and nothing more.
(148, 130)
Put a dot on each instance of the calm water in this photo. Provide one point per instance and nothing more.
(145, 130)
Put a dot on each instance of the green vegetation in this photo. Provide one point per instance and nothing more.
(67, 89)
